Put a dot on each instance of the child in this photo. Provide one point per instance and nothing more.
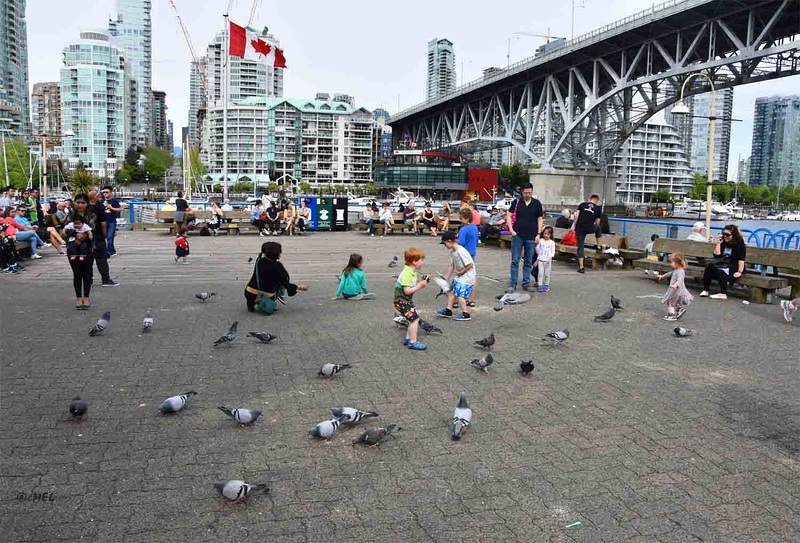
(650, 254)
(353, 283)
(407, 284)
(78, 248)
(545, 252)
(789, 307)
(469, 238)
(182, 246)
(269, 281)
(463, 267)
(677, 297)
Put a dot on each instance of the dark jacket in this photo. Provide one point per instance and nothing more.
(272, 276)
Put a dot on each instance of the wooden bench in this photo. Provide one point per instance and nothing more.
(399, 225)
(762, 287)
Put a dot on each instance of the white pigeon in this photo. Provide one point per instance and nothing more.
(462, 417)
(325, 429)
(557, 338)
(173, 404)
(203, 296)
(245, 417)
(351, 415)
(237, 491)
(101, 325)
(442, 283)
(329, 370)
(511, 298)
(400, 320)
(147, 323)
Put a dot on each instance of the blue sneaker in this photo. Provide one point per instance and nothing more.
(446, 313)
(463, 317)
(547, 288)
(406, 341)
(417, 346)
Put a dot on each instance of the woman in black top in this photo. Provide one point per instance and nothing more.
(728, 263)
(269, 278)
(428, 219)
(273, 221)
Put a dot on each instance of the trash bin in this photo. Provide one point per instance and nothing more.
(339, 214)
(673, 231)
(311, 203)
(324, 213)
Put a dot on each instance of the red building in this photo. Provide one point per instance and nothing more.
(482, 183)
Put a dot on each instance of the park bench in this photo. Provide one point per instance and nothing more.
(399, 226)
(762, 286)
(238, 220)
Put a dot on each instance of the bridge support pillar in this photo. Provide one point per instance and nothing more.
(557, 188)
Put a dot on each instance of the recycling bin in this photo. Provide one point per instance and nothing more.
(324, 213)
(339, 214)
(311, 203)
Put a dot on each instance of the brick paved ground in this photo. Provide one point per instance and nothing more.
(635, 434)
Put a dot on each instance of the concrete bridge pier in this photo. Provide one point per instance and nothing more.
(559, 188)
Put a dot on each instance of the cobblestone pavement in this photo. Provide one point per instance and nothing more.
(637, 435)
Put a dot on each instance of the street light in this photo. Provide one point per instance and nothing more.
(681, 109)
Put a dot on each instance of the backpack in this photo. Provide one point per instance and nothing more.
(204, 231)
(570, 239)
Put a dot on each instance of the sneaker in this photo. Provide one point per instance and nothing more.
(788, 310)
(681, 312)
(526, 287)
(261, 234)
(463, 317)
(112, 255)
(406, 341)
(110, 284)
(704, 294)
(581, 270)
(446, 313)
(417, 346)
(541, 289)
(372, 235)
(670, 318)
(36, 257)
(547, 288)
(184, 262)
(46, 245)
(719, 296)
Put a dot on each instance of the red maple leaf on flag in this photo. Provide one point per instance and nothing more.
(261, 47)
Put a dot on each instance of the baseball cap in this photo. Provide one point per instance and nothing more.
(447, 235)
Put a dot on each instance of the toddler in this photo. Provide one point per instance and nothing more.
(545, 251)
(677, 298)
(353, 283)
(79, 238)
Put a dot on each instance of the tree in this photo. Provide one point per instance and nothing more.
(723, 193)
(338, 189)
(19, 166)
(512, 176)
(304, 187)
(81, 181)
(272, 187)
(371, 189)
(156, 162)
(662, 195)
(132, 156)
(216, 188)
(242, 186)
(699, 188)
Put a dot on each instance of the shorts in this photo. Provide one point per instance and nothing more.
(582, 239)
(179, 216)
(429, 224)
(181, 252)
(408, 221)
(407, 309)
(462, 290)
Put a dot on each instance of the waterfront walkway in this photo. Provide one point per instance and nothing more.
(637, 435)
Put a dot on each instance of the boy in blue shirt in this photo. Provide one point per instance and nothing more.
(468, 237)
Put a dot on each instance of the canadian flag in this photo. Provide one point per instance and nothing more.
(249, 46)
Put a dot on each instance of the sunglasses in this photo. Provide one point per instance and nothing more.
(726, 235)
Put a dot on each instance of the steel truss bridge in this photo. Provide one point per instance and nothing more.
(578, 104)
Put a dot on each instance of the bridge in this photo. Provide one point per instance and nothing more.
(575, 106)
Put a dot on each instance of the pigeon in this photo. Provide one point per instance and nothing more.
(329, 370)
(616, 303)
(147, 323)
(499, 304)
(557, 337)
(429, 328)
(511, 298)
(203, 296)
(373, 436)
(441, 282)
(461, 417)
(325, 429)
(101, 326)
(483, 363)
(526, 367)
(245, 417)
(487, 342)
(263, 337)
(682, 332)
(78, 407)
(173, 404)
(393, 262)
(237, 491)
(230, 336)
(400, 320)
(607, 316)
(351, 415)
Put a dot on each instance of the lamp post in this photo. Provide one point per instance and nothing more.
(681, 109)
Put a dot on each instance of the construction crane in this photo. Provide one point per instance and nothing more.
(530, 35)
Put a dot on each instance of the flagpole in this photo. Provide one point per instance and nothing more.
(225, 75)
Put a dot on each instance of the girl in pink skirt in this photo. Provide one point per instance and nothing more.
(677, 298)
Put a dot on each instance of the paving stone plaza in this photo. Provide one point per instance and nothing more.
(627, 430)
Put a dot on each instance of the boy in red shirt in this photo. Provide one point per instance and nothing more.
(182, 247)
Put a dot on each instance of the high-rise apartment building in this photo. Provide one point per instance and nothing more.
(441, 68)
(46, 112)
(96, 92)
(159, 121)
(14, 98)
(775, 156)
(197, 98)
(132, 30)
(170, 136)
(743, 171)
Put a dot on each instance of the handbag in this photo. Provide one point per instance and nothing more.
(570, 238)
(265, 303)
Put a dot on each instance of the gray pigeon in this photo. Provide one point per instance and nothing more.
(101, 326)
(230, 336)
(325, 429)
(203, 296)
(400, 320)
(483, 363)
(78, 407)
(557, 338)
(329, 370)
(499, 304)
(147, 323)
(374, 436)
(616, 303)
(461, 417)
(682, 332)
(442, 283)
(429, 328)
(351, 415)
(510, 298)
(237, 491)
(263, 337)
(486, 342)
(245, 417)
(607, 316)
(393, 262)
(526, 367)
(173, 404)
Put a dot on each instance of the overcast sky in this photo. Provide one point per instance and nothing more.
(371, 50)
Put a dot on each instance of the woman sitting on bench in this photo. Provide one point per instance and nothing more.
(728, 263)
